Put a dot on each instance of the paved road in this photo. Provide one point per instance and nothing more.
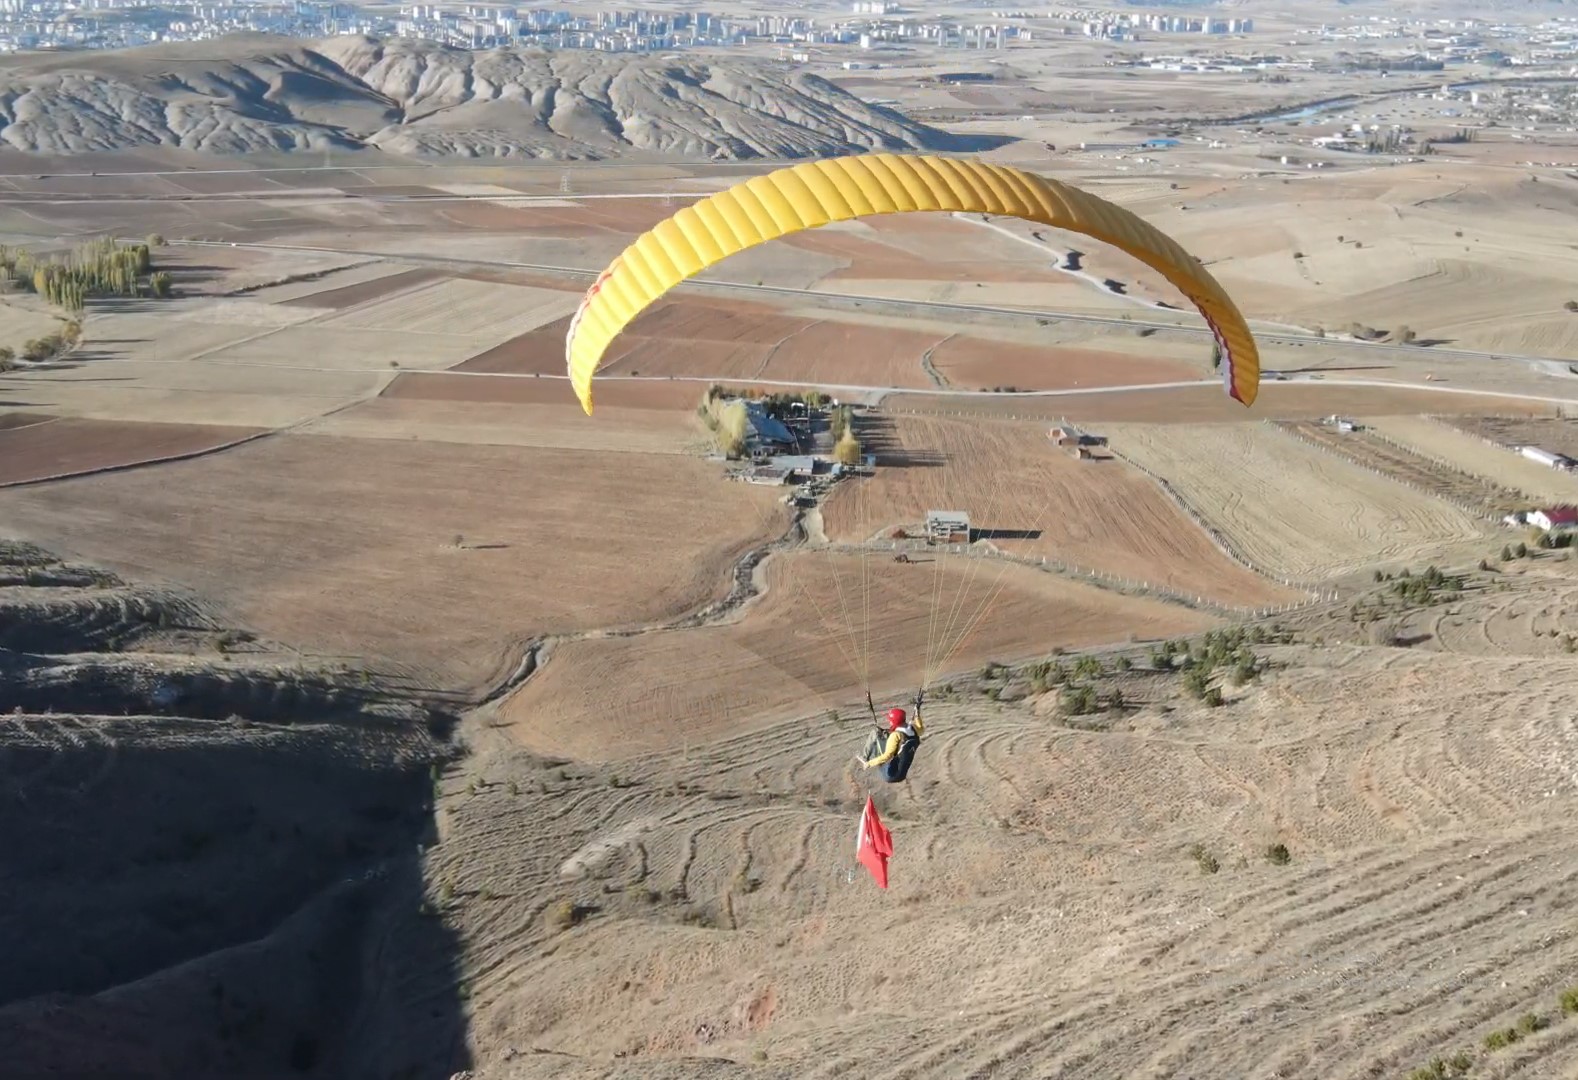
(1542, 363)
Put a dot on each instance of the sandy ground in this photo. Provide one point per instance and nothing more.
(345, 546)
(1095, 515)
(1290, 508)
(825, 625)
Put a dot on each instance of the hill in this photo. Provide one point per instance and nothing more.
(256, 93)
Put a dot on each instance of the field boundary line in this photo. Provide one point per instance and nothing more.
(123, 466)
(1323, 448)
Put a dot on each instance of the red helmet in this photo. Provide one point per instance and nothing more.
(895, 718)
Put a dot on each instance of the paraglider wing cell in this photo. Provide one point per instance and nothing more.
(815, 193)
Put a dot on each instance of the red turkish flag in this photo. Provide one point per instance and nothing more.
(874, 844)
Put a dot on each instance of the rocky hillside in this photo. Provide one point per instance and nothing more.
(256, 92)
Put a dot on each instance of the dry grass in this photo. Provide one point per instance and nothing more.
(1290, 508)
(1460, 450)
(1346, 757)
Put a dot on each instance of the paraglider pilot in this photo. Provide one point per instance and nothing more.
(903, 739)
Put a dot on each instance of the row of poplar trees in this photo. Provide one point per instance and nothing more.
(100, 269)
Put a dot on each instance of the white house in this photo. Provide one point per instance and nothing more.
(1556, 517)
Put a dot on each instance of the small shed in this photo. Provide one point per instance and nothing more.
(1066, 434)
(796, 466)
(948, 526)
(1069, 437)
(765, 474)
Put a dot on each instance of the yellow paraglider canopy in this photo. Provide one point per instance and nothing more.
(815, 193)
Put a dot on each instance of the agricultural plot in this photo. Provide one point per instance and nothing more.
(1460, 450)
(51, 446)
(1548, 433)
(974, 363)
(1035, 500)
(1475, 493)
(1290, 508)
(412, 413)
(1208, 404)
(457, 306)
(824, 622)
(346, 547)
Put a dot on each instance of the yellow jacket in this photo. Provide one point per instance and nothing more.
(895, 740)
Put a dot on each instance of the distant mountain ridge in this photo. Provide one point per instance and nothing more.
(257, 92)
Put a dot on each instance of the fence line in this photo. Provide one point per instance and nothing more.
(982, 549)
(1477, 511)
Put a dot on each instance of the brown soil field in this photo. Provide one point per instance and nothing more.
(349, 296)
(344, 546)
(623, 217)
(66, 446)
(872, 259)
(1096, 515)
(972, 363)
(1290, 508)
(558, 424)
(847, 352)
(795, 651)
(673, 337)
(536, 352)
(614, 393)
(1208, 404)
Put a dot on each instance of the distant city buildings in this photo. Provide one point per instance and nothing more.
(115, 24)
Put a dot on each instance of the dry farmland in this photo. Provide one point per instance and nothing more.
(1548, 433)
(345, 546)
(42, 446)
(1472, 454)
(516, 412)
(972, 363)
(825, 621)
(1296, 511)
(1207, 403)
(1099, 515)
(1365, 449)
(458, 306)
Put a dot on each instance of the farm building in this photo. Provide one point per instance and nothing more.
(1556, 517)
(1546, 457)
(1068, 436)
(948, 526)
(799, 466)
(768, 434)
(764, 474)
